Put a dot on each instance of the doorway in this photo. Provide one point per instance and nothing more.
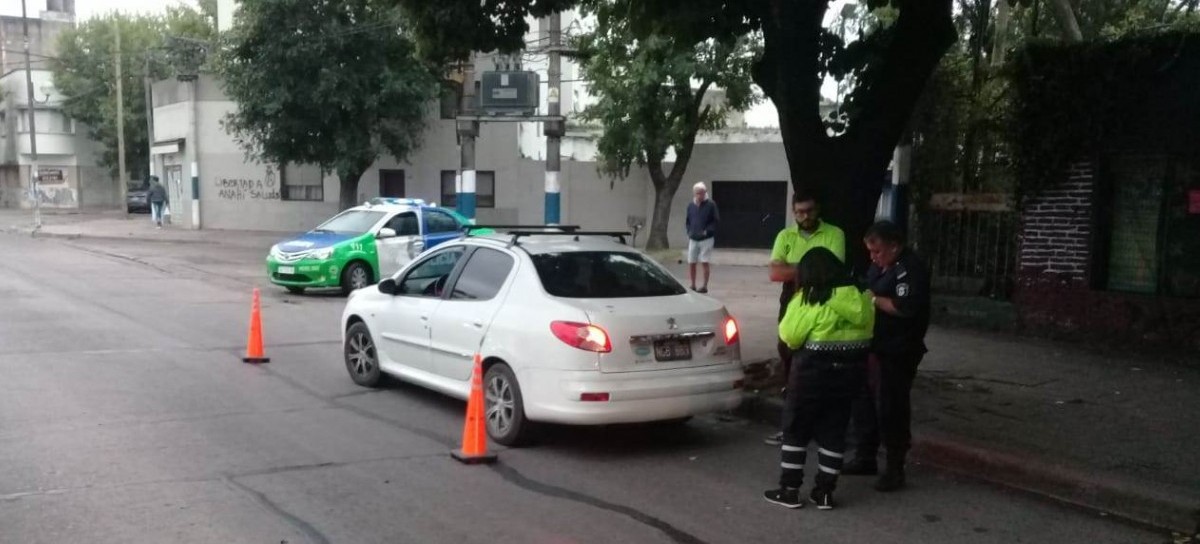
(391, 183)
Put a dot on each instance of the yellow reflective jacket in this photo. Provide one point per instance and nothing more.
(844, 322)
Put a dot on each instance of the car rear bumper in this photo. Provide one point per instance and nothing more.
(304, 273)
(553, 396)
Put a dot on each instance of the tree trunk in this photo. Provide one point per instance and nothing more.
(846, 174)
(348, 191)
(1066, 20)
(665, 188)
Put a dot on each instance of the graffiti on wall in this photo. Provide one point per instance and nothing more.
(243, 189)
(53, 191)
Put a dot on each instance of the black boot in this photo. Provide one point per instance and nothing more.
(861, 466)
(892, 479)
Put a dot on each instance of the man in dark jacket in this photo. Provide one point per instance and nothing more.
(157, 197)
(899, 282)
(702, 219)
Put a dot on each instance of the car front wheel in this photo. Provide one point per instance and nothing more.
(354, 277)
(505, 409)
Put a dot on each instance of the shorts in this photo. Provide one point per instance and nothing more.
(700, 250)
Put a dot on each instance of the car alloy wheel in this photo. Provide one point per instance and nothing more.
(362, 361)
(358, 278)
(504, 408)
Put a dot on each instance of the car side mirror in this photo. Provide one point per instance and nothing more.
(388, 287)
(386, 233)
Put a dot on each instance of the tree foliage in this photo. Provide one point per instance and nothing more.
(650, 99)
(84, 72)
(890, 65)
(325, 82)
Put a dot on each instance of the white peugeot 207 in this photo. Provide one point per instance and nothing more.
(572, 327)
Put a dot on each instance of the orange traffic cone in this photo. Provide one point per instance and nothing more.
(254, 344)
(474, 439)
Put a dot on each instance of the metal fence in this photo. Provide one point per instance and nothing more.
(970, 241)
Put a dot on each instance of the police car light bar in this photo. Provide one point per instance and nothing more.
(396, 201)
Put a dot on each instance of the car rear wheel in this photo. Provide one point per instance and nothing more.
(354, 277)
(504, 407)
(362, 360)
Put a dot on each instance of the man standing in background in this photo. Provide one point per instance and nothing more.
(701, 224)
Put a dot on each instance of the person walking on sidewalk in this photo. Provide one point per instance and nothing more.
(157, 196)
(899, 282)
(701, 225)
(791, 244)
(828, 325)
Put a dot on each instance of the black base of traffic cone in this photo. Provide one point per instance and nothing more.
(256, 360)
(465, 459)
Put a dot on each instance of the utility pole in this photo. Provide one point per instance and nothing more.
(555, 128)
(33, 168)
(149, 84)
(122, 183)
(467, 131)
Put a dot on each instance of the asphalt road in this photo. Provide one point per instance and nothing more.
(126, 415)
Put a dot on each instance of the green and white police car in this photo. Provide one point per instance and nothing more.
(363, 244)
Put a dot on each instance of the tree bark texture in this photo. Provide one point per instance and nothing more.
(847, 173)
(348, 188)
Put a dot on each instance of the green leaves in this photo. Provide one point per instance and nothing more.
(649, 90)
(335, 84)
(85, 73)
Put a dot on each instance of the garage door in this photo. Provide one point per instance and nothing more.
(752, 212)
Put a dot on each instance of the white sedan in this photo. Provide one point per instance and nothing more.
(572, 328)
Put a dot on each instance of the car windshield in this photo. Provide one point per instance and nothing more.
(603, 274)
(351, 222)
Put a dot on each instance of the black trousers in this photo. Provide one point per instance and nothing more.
(820, 395)
(883, 409)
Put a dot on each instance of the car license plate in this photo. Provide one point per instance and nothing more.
(287, 270)
(672, 350)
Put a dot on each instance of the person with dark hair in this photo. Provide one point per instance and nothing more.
(791, 244)
(828, 328)
(899, 283)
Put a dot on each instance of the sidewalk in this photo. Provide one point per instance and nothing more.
(1111, 432)
(1101, 430)
(115, 225)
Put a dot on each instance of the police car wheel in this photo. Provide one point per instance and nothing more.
(354, 277)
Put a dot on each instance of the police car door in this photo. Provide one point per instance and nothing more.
(394, 251)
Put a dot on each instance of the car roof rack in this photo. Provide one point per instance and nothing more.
(567, 228)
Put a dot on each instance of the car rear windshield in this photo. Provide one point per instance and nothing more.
(603, 274)
(351, 222)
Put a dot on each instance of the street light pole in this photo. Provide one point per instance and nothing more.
(33, 169)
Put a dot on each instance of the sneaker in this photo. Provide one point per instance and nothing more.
(787, 497)
(823, 499)
(702, 290)
(775, 439)
(861, 467)
(892, 480)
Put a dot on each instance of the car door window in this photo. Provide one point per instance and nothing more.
(437, 222)
(428, 278)
(483, 275)
(405, 224)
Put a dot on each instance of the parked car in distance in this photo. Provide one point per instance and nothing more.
(572, 328)
(136, 198)
(355, 248)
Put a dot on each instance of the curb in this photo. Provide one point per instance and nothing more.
(29, 231)
(1145, 503)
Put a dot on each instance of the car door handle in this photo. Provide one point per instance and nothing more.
(476, 324)
(424, 318)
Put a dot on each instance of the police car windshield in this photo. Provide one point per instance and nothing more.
(603, 274)
(351, 222)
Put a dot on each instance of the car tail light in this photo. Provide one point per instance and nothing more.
(582, 336)
(731, 331)
(593, 397)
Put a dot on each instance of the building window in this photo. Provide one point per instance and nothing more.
(485, 189)
(301, 182)
(1152, 243)
(451, 93)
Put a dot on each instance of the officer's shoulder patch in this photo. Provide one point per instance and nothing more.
(902, 289)
(901, 271)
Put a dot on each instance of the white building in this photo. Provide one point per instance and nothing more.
(66, 158)
(745, 167)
